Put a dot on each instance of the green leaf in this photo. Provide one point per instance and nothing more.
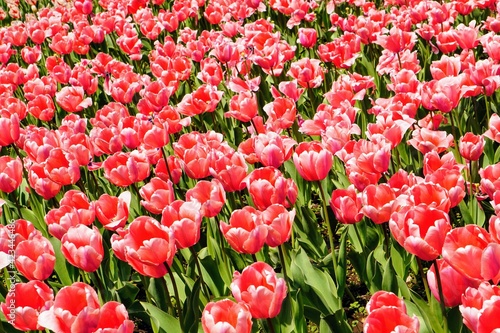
(192, 309)
(389, 281)
(341, 272)
(162, 320)
(60, 266)
(128, 293)
(291, 318)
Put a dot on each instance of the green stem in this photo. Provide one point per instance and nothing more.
(424, 279)
(283, 263)
(330, 231)
(197, 263)
(167, 293)
(176, 292)
(100, 286)
(270, 324)
(441, 296)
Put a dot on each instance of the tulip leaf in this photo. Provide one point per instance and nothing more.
(455, 320)
(60, 266)
(433, 322)
(192, 310)
(389, 281)
(309, 236)
(336, 322)
(162, 321)
(341, 272)
(291, 318)
(128, 293)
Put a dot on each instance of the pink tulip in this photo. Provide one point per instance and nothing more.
(312, 160)
(83, 248)
(226, 316)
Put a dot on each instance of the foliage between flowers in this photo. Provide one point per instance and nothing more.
(227, 165)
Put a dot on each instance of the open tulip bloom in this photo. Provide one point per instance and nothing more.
(249, 165)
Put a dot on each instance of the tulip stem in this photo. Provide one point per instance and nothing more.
(424, 279)
(330, 231)
(270, 324)
(254, 257)
(167, 294)
(283, 263)
(100, 285)
(197, 263)
(176, 292)
(441, 295)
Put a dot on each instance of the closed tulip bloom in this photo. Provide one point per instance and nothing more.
(211, 196)
(146, 245)
(230, 169)
(346, 205)
(43, 185)
(490, 179)
(75, 309)
(421, 230)
(455, 286)
(245, 232)
(30, 299)
(493, 132)
(157, 194)
(465, 245)
(226, 316)
(80, 201)
(279, 223)
(113, 211)
(83, 248)
(377, 202)
(471, 146)
(184, 218)
(35, 258)
(259, 288)
(312, 160)
(307, 37)
(11, 173)
(114, 319)
(10, 129)
(61, 219)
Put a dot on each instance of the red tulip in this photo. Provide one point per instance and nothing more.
(493, 132)
(377, 202)
(83, 248)
(245, 232)
(112, 211)
(211, 196)
(282, 111)
(279, 223)
(260, 288)
(230, 169)
(480, 308)
(226, 316)
(174, 169)
(62, 167)
(453, 283)
(35, 258)
(430, 195)
(273, 149)
(10, 129)
(384, 298)
(243, 106)
(421, 230)
(75, 309)
(124, 169)
(267, 186)
(307, 37)
(425, 140)
(346, 205)
(157, 194)
(71, 99)
(307, 72)
(114, 319)
(388, 319)
(463, 246)
(490, 179)
(23, 306)
(11, 173)
(471, 146)
(184, 218)
(42, 184)
(146, 245)
(79, 200)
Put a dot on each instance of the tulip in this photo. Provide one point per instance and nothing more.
(377, 202)
(114, 319)
(259, 288)
(493, 132)
(83, 248)
(471, 146)
(157, 194)
(71, 99)
(453, 283)
(124, 169)
(226, 316)
(390, 319)
(10, 129)
(490, 179)
(30, 300)
(11, 173)
(62, 167)
(279, 223)
(421, 230)
(75, 309)
(80, 202)
(384, 298)
(61, 219)
(112, 211)
(346, 205)
(245, 232)
(146, 245)
(307, 37)
(184, 218)
(210, 194)
(480, 308)
(35, 258)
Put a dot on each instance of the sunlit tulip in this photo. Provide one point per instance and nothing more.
(377, 202)
(157, 194)
(62, 167)
(11, 173)
(279, 223)
(124, 169)
(75, 309)
(184, 219)
(29, 300)
(113, 211)
(480, 308)
(83, 248)
(471, 146)
(114, 319)
(307, 37)
(35, 258)
(71, 99)
(384, 298)
(246, 233)
(346, 205)
(210, 194)
(259, 287)
(226, 316)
